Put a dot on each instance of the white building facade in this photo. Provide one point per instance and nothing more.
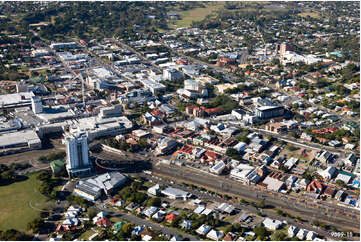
(77, 154)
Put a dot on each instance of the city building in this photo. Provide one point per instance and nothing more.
(77, 155)
(36, 105)
(93, 188)
(267, 112)
(174, 193)
(172, 74)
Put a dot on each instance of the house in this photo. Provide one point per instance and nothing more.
(218, 168)
(272, 224)
(344, 176)
(226, 208)
(329, 192)
(171, 217)
(240, 147)
(174, 238)
(146, 237)
(199, 209)
(103, 222)
(324, 157)
(291, 180)
(118, 226)
(302, 234)
(203, 229)
(302, 183)
(159, 215)
(329, 173)
(244, 217)
(186, 224)
(292, 231)
(306, 137)
(99, 216)
(290, 162)
(340, 195)
(137, 230)
(311, 235)
(350, 160)
(150, 211)
(315, 187)
(273, 184)
(147, 234)
(215, 234)
(207, 211)
(230, 237)
(131, 206)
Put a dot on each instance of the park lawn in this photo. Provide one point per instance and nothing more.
(196, 14)
(15, 211)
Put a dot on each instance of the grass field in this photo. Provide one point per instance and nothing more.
(86, 235)
(311, 14)
(195, 14)
(15, 212)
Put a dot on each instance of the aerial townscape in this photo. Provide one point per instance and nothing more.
(180, 120)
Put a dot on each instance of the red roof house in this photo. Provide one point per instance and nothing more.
(171, 217)
(315, 187)
(104, 222)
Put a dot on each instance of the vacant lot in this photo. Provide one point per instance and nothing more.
(15, 211)
(195, 14)
(311, 14)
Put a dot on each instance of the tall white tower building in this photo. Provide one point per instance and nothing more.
(36, 105)
(77, 163)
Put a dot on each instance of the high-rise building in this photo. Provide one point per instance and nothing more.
(285, 47)
(36, 105)
(77, 163)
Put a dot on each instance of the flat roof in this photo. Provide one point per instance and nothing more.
(175, 192)
(16, 98)
(18, 138)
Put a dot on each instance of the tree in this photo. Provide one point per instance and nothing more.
(127, 228)
(14, 235)
(233, 153)
(341, 183)
(7, 175)
(261, 232)
(261, 204)
(278, 236)
(156, 201)
(44, 176)
(35, 225)
(91, 213)
(143, 143)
